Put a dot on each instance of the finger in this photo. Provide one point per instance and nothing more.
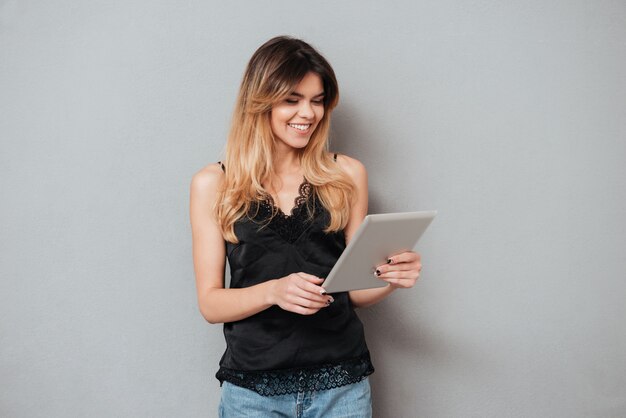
(310, 286)
(302, 310)
(316, 298)
(404, 283)
(315, 280)
(408, 274)
(404, 257)
(310, 304)
(308, 291)
(309, 277)
(381, 270)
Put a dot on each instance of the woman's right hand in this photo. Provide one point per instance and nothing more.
(300, 293)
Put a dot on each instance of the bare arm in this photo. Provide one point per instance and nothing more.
(298, 292)
(404, 269)
(358, 173)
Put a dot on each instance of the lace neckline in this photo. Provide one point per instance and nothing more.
(304, 192)
(289, 227)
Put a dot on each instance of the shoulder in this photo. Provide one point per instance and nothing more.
(353, 167)
(206, 181)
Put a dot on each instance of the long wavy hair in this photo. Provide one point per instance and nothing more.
(272, 75)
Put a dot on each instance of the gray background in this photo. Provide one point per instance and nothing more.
(508, 117)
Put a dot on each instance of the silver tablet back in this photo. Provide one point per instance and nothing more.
(378, 237)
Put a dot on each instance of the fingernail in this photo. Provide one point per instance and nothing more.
(389, 261)
(323, 292)
(330, 299)
(377, 272)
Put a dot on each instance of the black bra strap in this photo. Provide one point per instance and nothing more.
(335, 157)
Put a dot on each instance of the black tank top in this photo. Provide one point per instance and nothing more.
(275, 352)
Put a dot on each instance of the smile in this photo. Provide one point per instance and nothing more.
(300, 127)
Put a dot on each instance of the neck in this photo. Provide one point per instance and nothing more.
(286, 163)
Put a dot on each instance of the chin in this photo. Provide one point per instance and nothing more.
(297, 143)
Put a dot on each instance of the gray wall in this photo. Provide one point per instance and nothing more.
(507, 117)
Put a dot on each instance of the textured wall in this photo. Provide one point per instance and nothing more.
(507, 117)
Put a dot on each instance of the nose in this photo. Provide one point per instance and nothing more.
(306, 110)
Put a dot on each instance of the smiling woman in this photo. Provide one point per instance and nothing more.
(295, 118)
(280, 208)
(286, 82)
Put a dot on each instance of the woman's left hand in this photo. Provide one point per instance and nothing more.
(402, 270)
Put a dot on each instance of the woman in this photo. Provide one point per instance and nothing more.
(281, 208)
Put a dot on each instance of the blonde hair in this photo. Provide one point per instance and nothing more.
(273, 72)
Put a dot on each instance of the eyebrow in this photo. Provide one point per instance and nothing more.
(302, 96)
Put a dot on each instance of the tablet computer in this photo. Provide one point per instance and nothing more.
(378, 237)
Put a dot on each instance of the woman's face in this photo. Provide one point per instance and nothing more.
(295, 118)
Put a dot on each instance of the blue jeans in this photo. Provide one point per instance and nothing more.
(349, 401)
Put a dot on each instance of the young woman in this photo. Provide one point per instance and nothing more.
(281, 209)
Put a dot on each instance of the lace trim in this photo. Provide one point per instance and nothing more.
(282, 382)
(304, 192)
(291, 226)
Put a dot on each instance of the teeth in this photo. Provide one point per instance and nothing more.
(299, 126)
